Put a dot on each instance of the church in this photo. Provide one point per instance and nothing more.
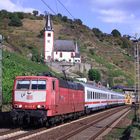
(59, 50)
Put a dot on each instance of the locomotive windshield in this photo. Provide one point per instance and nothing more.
(35, 84)
(31, 84)
(23, 84)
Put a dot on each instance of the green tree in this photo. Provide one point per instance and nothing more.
(94, 74)
(65, 18)
(4, 14)
(20, 15)
(35, 12)
(15, 21)
(98, 33)
(116, 33)
(59, 15)
(78, 21)
(125, 43)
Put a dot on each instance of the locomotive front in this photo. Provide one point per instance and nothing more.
(29, 99)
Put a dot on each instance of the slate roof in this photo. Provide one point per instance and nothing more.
(64, 45)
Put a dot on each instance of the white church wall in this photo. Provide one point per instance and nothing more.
(49, 41)
(77, 60)
(66, 56)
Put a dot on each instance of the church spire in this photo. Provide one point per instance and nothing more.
(48, 25)
(76, 48)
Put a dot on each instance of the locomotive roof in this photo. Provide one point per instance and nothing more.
(100, 88)
(28, 77)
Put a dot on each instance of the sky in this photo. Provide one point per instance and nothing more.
(123, 15)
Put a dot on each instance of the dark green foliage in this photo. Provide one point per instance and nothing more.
(94, 74)
(16, 65)
(15, 21)
(64, 18)
(36, 57)
(4, 14)
(116, 33)
(41, 15)
(98, 33)
(127, 36)
(41, 34)
(59, 15)
(35, 12)
(78, 21)
(125, 43)
(20, 15)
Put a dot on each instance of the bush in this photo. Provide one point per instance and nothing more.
(97, 32)
(94, 74)
(15, 21)
(116, 33)
(20, 15)
(64, 18)
(35, 13)
(78, 21)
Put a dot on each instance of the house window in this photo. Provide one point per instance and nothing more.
(49, 34)
(60, 54)
(72, 55)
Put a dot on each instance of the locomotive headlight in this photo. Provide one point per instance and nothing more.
(40, 106)
(20, 106)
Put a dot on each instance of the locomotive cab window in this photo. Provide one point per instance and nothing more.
(53, 85)
(38, 84)
(23, 84)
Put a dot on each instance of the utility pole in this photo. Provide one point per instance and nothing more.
(137, 80)
(1, 38)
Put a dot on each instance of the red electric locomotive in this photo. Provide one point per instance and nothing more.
(46, 99)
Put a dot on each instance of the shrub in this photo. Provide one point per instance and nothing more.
(15, 21)
(64, 18)
(94, 74)
(116, 33)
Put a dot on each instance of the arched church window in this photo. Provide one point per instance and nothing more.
(61, 54)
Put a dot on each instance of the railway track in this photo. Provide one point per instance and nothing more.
(95, 128)
(61, 132)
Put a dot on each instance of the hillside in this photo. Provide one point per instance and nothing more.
(112, 56)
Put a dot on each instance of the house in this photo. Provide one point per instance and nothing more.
(59, 50)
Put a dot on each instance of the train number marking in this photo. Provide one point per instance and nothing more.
(29, 97)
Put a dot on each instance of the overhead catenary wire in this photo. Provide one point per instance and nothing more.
(66, 9)
(56, 6)
(49, 7)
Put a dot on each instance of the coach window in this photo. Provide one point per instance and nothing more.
(93, 95)
(53, 85)
(96, 95)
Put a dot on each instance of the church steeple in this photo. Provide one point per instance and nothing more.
(76, 48)
(49, 40)
(48, 25)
